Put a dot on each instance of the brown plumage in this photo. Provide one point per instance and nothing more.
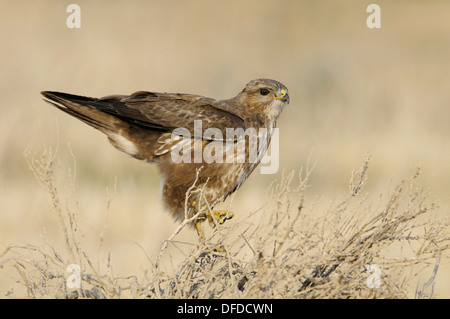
(161, 128)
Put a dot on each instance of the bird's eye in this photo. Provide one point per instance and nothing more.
(264, 91)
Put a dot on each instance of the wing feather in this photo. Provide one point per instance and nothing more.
(173, 111)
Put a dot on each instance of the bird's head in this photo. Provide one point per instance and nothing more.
(265, 96)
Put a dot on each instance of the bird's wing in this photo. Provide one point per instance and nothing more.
(164, 111)
(171, 111)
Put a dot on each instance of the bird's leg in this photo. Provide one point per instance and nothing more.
(197, 223)
(198, 227)
(219, 215)
(201, 236)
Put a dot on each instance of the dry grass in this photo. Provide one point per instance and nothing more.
(287, 249)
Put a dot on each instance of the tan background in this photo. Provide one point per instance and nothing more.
(352, 89)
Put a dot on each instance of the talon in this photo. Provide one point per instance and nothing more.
(229, 215)
(219, 215)
(223, 215)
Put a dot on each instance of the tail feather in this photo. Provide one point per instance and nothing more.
(81, 108)
(135, 140)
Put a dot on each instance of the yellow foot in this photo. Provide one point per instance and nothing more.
(219, 215)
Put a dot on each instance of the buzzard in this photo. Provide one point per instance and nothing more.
(214, 144)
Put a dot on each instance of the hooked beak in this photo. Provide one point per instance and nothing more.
(284, 96)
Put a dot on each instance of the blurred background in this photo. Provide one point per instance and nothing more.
(353, 89)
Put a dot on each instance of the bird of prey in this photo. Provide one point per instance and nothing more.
(192, 139)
